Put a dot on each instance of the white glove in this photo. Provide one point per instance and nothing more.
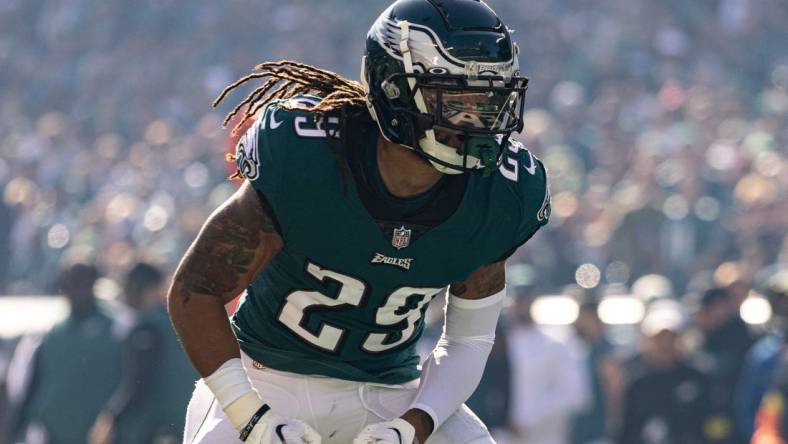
(274, 429)
(249, 414)
(261, 426)
(397, 431)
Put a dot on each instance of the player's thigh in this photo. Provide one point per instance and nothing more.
(463, 427)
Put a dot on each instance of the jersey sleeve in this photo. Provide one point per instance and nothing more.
(527, 179)
(284, 157)
(257, 159)
(261, 157)
(536, 201)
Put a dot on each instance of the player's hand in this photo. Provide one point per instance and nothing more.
(397, 431)
(257, 424)
(274, 429)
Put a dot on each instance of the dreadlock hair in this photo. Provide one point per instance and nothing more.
(284, 79)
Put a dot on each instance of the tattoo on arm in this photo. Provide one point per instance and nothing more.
(233, 244)
(483, 282)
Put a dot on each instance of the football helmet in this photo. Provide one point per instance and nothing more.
(440, 70)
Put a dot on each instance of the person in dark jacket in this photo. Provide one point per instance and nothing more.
(600, 419)
(491, 400)
(74, 370)
(666, 398)
(157, 380)
(771, 421)
(726, 339)
(764, 356)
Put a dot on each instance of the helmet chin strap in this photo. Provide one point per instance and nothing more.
(429, 143)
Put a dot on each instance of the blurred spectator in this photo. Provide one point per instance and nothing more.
(599, 420)
(157, 378)
(771, 422)
(725, 341)
(547, 382)
(666, 398)
(6, 347)
(492, 399)
(763, 358)
(72, 373)
(6, 222)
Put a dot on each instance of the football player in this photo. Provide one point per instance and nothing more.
(361, 202)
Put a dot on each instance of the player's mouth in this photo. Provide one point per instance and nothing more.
(449, 137)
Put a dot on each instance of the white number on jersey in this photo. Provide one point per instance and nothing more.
(513, 174)
(351, 291)
(404, 305)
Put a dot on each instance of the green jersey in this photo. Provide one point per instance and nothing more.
(346, 295)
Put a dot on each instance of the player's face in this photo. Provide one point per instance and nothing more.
(472, 110)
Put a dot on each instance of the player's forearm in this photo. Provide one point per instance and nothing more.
(203, 328)
(420, 421)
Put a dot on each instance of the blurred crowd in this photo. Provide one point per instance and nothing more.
(695, 373)
(664, 126)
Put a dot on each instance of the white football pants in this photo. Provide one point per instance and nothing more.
(337, 409)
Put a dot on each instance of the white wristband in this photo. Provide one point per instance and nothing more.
(229, 382)
(234, 392)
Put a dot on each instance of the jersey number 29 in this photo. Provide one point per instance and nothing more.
(400, 313)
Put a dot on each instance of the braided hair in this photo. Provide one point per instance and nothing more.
(284, 79)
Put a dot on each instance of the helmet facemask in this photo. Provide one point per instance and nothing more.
(432, 97)
(480, 113)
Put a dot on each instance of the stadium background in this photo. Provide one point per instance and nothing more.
(664, 126)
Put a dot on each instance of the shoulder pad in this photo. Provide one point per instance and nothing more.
(527, 175)
(294, 113)
(281, 124)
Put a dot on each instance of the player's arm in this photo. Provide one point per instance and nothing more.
(237, 241)
(452, 372)
(482, 283)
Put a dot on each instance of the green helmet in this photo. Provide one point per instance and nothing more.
(450, 66)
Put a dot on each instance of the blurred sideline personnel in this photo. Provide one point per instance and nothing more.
(764, 357)
(60, 386)
(157, 378)
(547, 384)
(771, 422)
(666, 399)
(491, 401)
(362, 201)
(726, 339)
(598, 421)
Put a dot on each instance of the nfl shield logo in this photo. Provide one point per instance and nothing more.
(401, 238)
